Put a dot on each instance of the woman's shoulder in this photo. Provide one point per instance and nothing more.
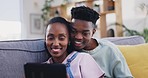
(48, 61)
(79, 54)
(83, 53)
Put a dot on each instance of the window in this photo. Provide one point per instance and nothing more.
(10, 23)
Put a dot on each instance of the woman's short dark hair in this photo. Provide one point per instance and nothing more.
(60, 20)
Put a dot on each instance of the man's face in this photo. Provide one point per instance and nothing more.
(81, 34)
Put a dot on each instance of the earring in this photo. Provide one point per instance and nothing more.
(69, 43)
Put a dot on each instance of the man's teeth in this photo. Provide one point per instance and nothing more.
(56, 49)
(77, 42)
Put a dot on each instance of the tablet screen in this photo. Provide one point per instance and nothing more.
(44, 70)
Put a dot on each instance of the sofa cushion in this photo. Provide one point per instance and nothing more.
(137, 59)
(14, 54)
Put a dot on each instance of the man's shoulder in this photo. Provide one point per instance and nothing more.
(104, 42)
(107, 46)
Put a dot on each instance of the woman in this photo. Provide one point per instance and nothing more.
(78, 65)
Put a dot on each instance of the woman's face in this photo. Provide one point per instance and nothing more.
(57, 37)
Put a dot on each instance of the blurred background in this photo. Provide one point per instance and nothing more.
(26, 19)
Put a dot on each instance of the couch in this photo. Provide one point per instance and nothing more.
(15, 53)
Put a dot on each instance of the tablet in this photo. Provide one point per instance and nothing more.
(44, 70)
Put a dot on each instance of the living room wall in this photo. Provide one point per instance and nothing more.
(130, 13)
(30, 7)
(134, 17)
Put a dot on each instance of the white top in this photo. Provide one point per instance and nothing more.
(83, 66)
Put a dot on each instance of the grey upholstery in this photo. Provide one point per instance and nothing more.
(132, 40)
(14, 54)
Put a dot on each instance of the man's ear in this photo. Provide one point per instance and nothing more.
(94, 30)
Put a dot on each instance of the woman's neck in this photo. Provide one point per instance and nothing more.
(59, 59)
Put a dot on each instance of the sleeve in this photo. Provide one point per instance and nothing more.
(121, 69)
(89, 68)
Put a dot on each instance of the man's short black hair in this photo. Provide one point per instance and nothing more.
(84, 13)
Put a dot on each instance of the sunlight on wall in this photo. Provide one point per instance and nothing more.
(10, 30)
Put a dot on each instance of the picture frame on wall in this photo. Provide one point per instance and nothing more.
(36, 24)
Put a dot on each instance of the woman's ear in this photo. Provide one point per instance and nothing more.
(45, 44)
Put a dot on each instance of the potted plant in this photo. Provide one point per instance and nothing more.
(130, 32)
(46, 10)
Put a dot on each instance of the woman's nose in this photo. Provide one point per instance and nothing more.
(56, 43)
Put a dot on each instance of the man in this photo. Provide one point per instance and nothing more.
(106, 54)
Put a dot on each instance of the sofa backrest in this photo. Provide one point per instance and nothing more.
(14, 54)
(131, 40)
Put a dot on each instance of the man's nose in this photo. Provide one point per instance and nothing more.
(78, 36)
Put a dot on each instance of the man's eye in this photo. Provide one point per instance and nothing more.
(73, 31)
(86, 33)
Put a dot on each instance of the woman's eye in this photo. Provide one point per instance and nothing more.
(62, 38)
(50, 38)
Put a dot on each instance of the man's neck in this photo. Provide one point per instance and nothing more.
(92, 45)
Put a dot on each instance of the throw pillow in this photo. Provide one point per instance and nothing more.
(137, 59)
